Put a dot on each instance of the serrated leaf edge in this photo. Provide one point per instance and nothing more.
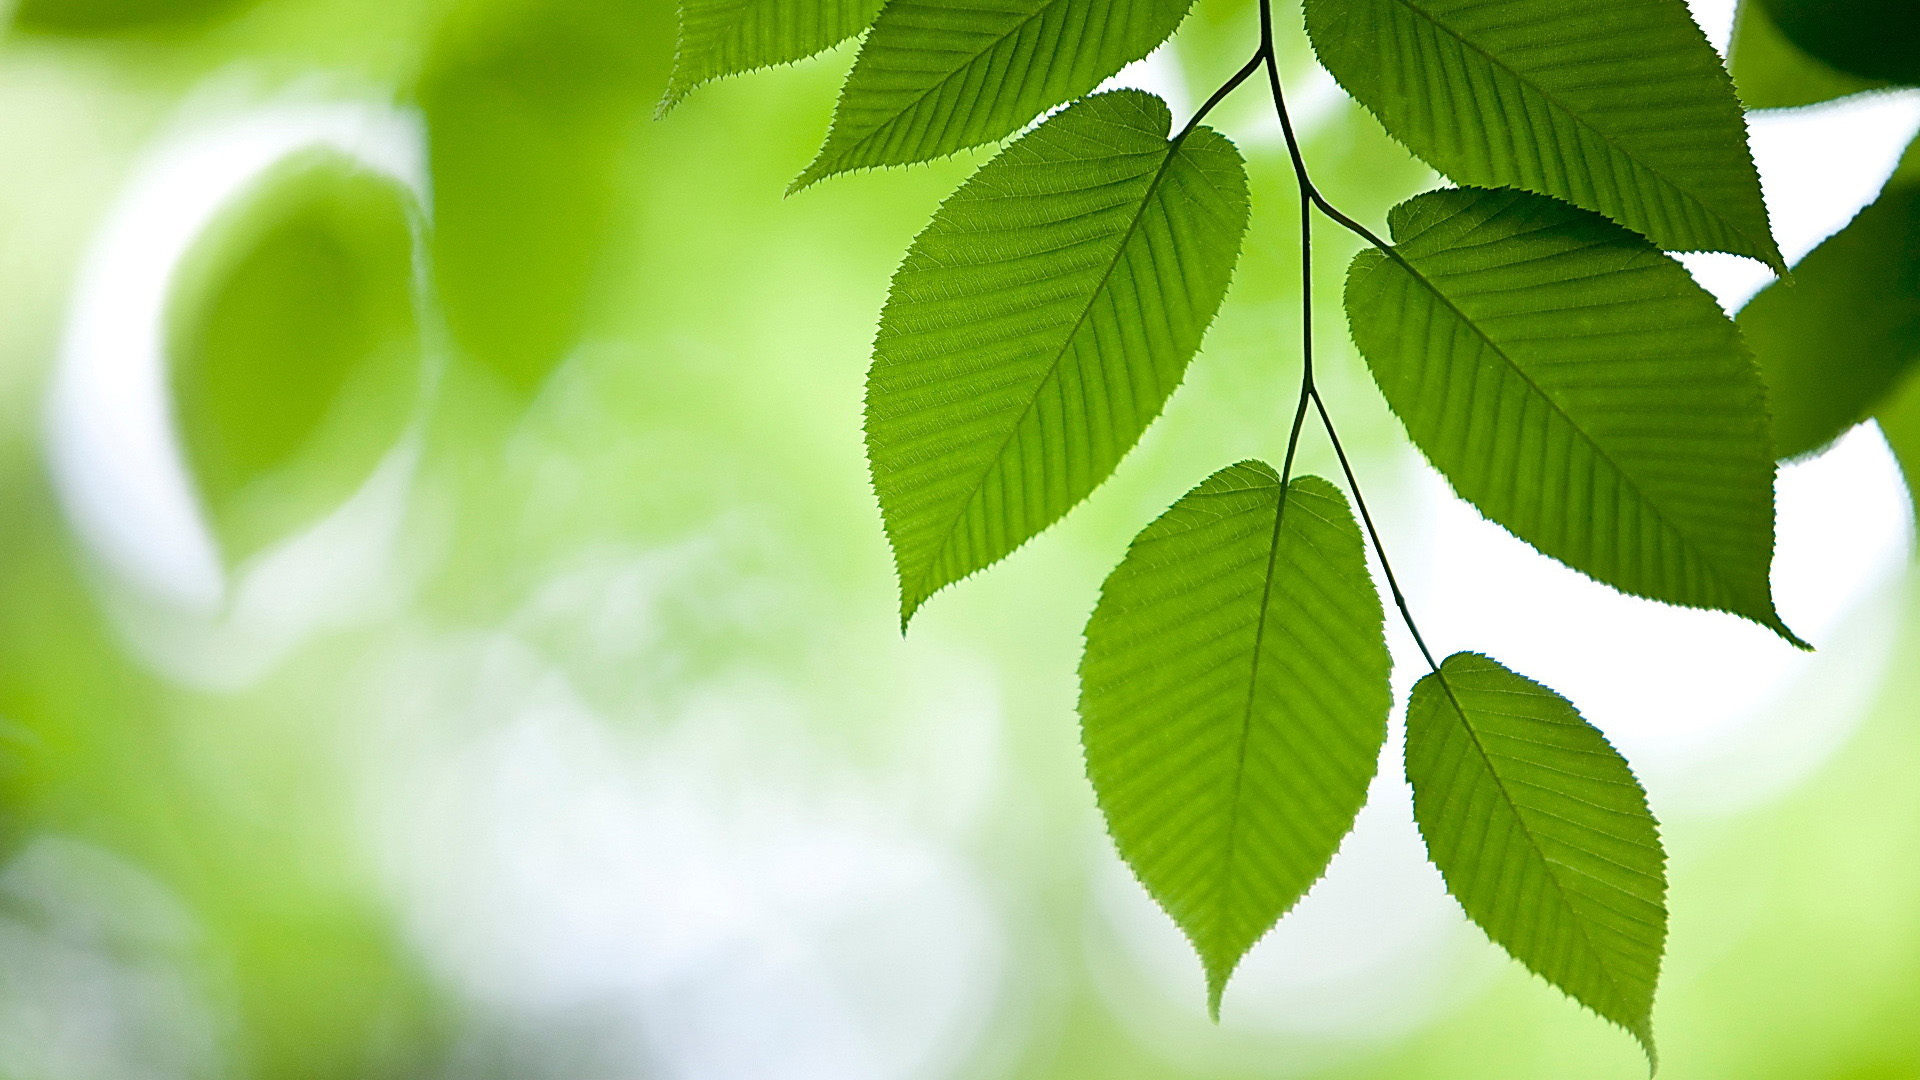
(1770, 619)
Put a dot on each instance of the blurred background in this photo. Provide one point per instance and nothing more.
(446, 631)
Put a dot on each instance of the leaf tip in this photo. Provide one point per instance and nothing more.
(819, 169)
(671, 99)
(1220, 961)
(1773, 622)
(1217, 976)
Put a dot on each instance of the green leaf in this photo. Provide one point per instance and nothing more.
(1770, 72)
(1542, 834)
(1619, 106)
(294, 350)
(1835, 341)
(719, 38)
(1868, 39)
(1233, 702)
(1038, 326)
(530, 112)
(938, 76)
(1899, 419)
(1579, 388)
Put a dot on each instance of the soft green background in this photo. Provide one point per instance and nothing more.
(640, 506)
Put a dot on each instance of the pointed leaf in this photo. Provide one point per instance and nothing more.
(1619, 106)
(1037, 327)
(1233, 701)
(1868, 39)
(938, 76)
(294, 349)
(1542, 834)
(1771, 72)
(1579, 388)
(1835, 341)
(719, 38)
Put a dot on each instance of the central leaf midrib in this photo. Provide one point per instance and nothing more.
(1053, 367)
(1225, 882)
(1574, 115)
(1560, 888)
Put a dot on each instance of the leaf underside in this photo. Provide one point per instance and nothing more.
(1542, 834)
(719, 38)
(1233, 702)
(1837, 340)
(1580, 389)
(1037, 327)
(1618, 106)
(939, 76)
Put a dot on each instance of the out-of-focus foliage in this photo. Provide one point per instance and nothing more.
(295, 352)
(112, 16)
(1770, 72)
(530, 108)
(1868, 39)
(1835, 341)
(1898, 416)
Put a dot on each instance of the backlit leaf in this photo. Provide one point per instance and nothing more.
(1579, 388)
(1233, 701)
(1771, 72)
(1836, 339)
(294, 350)
(1038, 326)
(719, 38)
(937, 76)
(1542, 834)
(1619, 106)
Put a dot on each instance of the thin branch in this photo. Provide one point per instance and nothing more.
(1373, 532)
(1311, 199)
(1228, 87)
(1293, 146)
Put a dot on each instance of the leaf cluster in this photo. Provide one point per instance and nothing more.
(1529, 326)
